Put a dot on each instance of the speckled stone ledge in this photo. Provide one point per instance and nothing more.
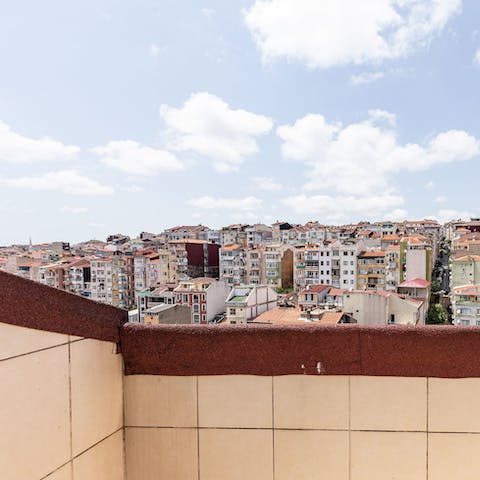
(29, 304)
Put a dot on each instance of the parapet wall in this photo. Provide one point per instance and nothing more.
(235, 402)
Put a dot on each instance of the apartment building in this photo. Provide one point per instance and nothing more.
(234, 234)
(466, 305)
(338, 263)
(77, 277)
(465, 270)
(258, 234)
(233, 264)
(245, 303)
(112, 280)
(192, 258)
(278, 265)
(157, 269)
(255, 266)
(393, 267)
(205, 297)
(186, 232)
(371, 270)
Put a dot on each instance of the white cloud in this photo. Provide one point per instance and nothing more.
(74, 210)
(328, 33)
(240, 204)
(136, 159)
(266, 183)
(378, 115)
(366, 77)
(347, 207)
(208, 12)
(207, 126)
(361, 158)
(16, 148)
(430, 185)
(134, 189)
(441, 199)
(477, 57)
(65, 181)
(155, 50)
(445, 215)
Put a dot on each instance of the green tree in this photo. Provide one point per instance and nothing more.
(435, 286)
(436, 315)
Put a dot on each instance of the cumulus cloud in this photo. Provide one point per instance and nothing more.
(155, 50)
(266, 183)
(366, 77)
(136, 159)
(16, 148)
(344, 207)
(207, 126)
(65, 181)
(361, 158)
(446, 215)
(328, 33)
(74, 210)
(240, 204)
(476, 58)
(441, 199)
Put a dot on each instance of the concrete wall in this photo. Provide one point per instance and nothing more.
(61, 407)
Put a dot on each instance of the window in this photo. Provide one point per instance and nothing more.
(196, 319)
(204, 307)
(185, 299)
(465, 322)
(196, 307)
(233, 311)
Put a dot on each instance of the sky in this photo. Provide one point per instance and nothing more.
(120, 116)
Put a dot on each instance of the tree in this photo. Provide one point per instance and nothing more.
(435, 286)
(436, 315)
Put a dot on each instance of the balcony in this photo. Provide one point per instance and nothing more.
(86, 396)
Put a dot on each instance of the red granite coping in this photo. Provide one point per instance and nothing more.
(405, 351)
(30, 304)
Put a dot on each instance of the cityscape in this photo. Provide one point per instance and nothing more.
(410, 273)
(240, 240)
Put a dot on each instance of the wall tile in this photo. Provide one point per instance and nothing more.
(388, 403)
(103, 462)
(388, 455)
(316, 402)
(231, 454)
(152, 400)
(19, 340)
(34, 414)
(162, 453)
(453, 404)
(311, 455)
(97, 396)
(235, 401)
(453, 456)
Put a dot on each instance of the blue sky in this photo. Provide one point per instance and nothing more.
(129, 116)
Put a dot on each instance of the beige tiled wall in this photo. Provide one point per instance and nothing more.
(60, 406)
(301, 428)
(62, 418)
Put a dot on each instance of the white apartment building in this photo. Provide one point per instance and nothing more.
(338, 263)
(233, 264)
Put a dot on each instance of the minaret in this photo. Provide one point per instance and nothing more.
(30, 248)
